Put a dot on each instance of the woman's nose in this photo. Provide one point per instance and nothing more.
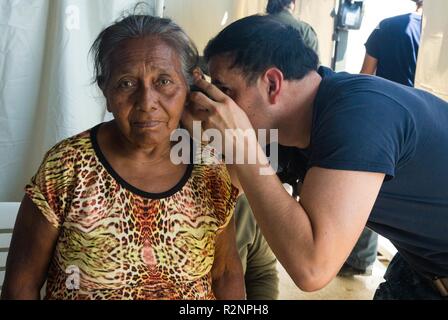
(147, 99)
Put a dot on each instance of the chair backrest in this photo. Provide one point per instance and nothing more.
(8, 213)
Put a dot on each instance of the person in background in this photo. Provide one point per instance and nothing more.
(392, 48)
(361, 259)
(283, 10)
(391, 53)
(259, 262)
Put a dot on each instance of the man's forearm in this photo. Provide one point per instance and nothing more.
(283, 222)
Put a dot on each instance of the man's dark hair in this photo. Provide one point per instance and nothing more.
(257, 42)
(275, 6)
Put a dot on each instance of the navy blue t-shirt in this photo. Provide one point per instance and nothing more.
(366, 123)
(394, 43)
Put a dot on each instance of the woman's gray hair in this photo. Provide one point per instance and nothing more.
(140, 26)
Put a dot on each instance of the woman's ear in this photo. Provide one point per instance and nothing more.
(198, 73)
(274, 79)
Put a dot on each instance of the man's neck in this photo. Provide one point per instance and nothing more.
(419, 10)
(295, 126)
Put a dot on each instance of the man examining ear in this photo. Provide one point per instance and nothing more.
(376, 154)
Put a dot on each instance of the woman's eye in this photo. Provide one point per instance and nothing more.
(126, 84)
(164, 82)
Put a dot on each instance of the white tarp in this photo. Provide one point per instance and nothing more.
(432, 66)
(203, 19)
(45, 79)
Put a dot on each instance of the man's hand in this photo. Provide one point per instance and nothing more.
(215, 110)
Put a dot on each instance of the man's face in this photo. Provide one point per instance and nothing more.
(249, 97)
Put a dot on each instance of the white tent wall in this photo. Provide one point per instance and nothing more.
(318, 15)
(45, 79)
(203, 19)
(22, 55)
(432, 66)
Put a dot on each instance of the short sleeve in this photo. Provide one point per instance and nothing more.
(371, 133)
(50, 187)
(373, 43)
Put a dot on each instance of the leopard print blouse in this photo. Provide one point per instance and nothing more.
(119, 242)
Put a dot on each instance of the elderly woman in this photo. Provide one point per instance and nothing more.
(108, 215)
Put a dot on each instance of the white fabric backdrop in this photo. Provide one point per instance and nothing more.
(45, 79)
(432, 66)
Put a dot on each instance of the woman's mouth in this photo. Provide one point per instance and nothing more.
(146, 124)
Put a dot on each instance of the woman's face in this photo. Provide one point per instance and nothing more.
(146, 91)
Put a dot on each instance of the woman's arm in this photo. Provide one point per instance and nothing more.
(227, 271)
(234, 178)
(32, 245)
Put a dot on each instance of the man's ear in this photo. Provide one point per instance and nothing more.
(274, 79)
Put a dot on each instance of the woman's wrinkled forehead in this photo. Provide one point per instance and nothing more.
(150, 52)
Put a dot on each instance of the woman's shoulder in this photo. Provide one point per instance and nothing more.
(77, 144)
